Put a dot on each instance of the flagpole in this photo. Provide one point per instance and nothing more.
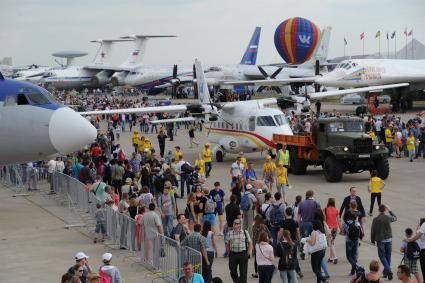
(388, 46)
(344, 47)
(379, 45)
(395, 46)
(405, 34)
(413, 54)
(363, 45)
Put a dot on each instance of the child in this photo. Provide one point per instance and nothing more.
(375, 187)
(217, 195)
(100, 215)
(412, 263)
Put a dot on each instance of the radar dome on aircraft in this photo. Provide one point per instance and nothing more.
(296, 39)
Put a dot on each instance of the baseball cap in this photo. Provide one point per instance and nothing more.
(259, 191)
(80, 256)
(106, 257)
(128, 180)
(248, 187)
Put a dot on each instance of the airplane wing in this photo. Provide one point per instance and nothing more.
(321, 95)
(108, 68)
(183, 119)
(156, 109)
(273, 82)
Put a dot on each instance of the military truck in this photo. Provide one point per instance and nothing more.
(340, 145)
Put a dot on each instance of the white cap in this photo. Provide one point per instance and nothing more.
(106, 257)
(259, 191)
(248, 187)
(80, 256)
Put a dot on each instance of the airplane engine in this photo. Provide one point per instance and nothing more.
(213, 82)
(100, 78)
(118, 79)
(230, 144)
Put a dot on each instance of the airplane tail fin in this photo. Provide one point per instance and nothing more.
(250, 55)
(139, 49)
(321, 51)
(103, 55)
(203, 91)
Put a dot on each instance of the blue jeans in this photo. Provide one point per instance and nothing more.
(316, 260)
(384, 253)
(351, 248)
(168, 224)
(305, 230)
(274, 231)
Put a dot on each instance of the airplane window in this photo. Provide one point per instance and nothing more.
(22, 100)
(280, 119)
(266, 121)
(9, 101)
(252, 123)
(214, 69)
(37, 98)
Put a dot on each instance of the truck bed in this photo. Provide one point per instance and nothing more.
(297, 140)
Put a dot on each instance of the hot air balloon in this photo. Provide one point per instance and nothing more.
(296, 39)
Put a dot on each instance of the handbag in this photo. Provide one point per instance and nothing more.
(320, 244)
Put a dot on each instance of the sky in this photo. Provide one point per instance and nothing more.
(215, 31)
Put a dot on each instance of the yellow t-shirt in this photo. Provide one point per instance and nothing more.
(372, 135)
(281, 175)
(178, 155)
(201, 164)
(269, 166)
(207, 153)
(135, 139)
(141, 145)
(243, 162)
(410, 142)
(375, 184)
(388, 135)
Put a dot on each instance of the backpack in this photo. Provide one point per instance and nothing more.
(186, 168)
(209, 206)
(276, 215)
(286, 260)
(245, 202)
(105, 278)
(264, 213)
(353, 231)
(412, 251)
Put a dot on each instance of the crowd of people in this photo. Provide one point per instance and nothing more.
(259, 220)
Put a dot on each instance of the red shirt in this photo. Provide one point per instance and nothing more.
(331, 214)
(95, 151)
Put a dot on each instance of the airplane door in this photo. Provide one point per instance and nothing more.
(252, 123)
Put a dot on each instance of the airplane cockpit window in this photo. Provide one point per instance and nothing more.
(265, 121)
(36, 96)
(9, 101)
(214, 69)
(22, 100)
(280, 119)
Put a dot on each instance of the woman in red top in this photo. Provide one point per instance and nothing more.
(332, 219)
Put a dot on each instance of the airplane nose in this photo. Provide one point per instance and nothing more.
(69, 131)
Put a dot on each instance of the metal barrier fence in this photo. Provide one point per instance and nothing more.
(155, 251)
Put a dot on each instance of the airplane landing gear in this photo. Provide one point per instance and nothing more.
(219, 154)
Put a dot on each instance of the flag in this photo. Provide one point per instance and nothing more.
(387, 36)
(410, 33)
(393, 35)
(362, 36)
(378, 34)
(345, 41)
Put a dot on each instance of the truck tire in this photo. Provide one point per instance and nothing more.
(298, 166)
(219, 156)
(332, 169)
(383, 168)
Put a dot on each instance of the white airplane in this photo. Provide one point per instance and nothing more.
(95, 74)
(34, 126)
(33, 74)
(234, 126)
(163, 77)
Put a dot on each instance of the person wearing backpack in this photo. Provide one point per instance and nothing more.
(352, 231)
(209, 210)
(276, 216)
(420, 237)
(287, 252)
(381, 234)
(411, 254)
(108, 272)
(247, 206)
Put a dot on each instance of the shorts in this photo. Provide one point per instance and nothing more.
(100, 227)
(219, 210)
(209, 217)
(333, 233)
(411, 264)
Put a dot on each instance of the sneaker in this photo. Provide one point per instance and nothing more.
(335, 261)
(94, 241)
(302, 256)
(300, 274)
(390, 276)
(254, 275)
(221, 234)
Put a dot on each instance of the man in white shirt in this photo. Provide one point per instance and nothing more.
(51, 167)
(237, 168)
(378, 128)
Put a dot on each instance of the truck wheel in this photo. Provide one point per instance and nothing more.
(298, 166)
(219, 156)
(333, 169)
(383, 168)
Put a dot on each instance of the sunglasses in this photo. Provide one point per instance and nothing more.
(80, 270)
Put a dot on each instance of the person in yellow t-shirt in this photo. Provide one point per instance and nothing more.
(141, 145)
(375, 187)
(207, 156)
(243, 159)
(201, 163)
(269, 171)
(389, 139)
(135, 140)
(281, 179)
(411, 145)
(178, 155)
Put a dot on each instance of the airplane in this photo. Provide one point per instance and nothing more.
(161, 78)
(233, 127)
(34, 126)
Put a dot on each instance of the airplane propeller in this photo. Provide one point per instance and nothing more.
(195, 87)
(267, 77)
(174, 82)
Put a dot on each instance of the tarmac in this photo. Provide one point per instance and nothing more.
(35, 247)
